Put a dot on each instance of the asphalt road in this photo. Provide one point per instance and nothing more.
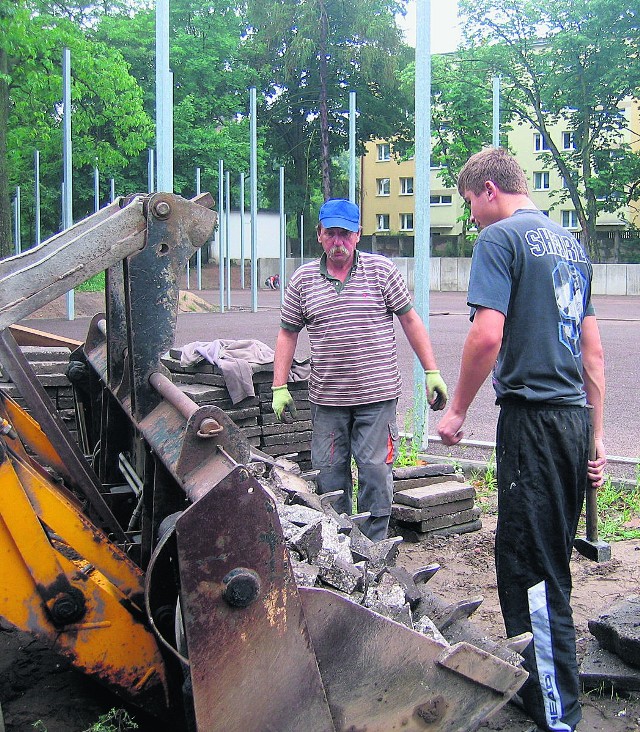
(448, 324)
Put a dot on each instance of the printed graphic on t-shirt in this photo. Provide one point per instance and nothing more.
(570, 288)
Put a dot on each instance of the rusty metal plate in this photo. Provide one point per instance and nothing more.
(253, 667)
(380, 676)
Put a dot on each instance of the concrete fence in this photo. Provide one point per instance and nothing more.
(451, 274)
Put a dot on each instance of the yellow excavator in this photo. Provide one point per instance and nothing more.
(150, 549)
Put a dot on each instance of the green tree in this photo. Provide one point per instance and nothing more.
(461, 116)
(108, 123)
(309, 55)
(575, 62)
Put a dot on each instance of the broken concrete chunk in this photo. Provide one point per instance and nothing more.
(388, 598)
(306, 575)
(618, 630)
(341, 574)
(405, 579)
(322, 544)
(300, 515)
(427, 627)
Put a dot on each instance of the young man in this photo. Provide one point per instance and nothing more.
(534, 325)
(347, 300)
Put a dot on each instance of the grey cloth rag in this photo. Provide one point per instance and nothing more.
(237, 360)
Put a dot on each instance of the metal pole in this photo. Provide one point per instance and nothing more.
(253, 178)
(37, 196)
(283, 237)
(221, 232)
(422, 208)
(164, 100)
(496, 111)
(96, 189)
(67, 199)
(352, 146)
(242, 255)
(227, 228)
(17, 239)
(301, 239)
(112, 190)
(151, 167)
(199, 252)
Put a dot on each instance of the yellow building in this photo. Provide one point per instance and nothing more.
(388, 202)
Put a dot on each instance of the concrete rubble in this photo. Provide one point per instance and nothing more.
(612, 660)
(328, 550)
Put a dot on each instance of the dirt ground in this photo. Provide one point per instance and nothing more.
(35, 685)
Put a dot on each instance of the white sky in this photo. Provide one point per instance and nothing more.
(444, 25)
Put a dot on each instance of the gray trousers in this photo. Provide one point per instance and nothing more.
(369, 433)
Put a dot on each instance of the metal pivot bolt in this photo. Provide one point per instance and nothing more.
(161, 209)
(67, 608)
(241, 587)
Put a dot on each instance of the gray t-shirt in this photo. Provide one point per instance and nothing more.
(539, 276)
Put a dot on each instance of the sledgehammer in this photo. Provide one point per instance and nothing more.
(591, 547)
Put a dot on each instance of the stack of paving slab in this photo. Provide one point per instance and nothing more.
(205, 384)
(432, 500)
(49, 365)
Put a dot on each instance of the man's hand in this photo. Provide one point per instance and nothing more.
(283, 405)
(436, 390)
(595, 467)
(449, 427)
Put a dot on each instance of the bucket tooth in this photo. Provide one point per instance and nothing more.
(424, 574)
(458, 611)
(517, 643)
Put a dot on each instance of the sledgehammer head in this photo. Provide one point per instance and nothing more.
(596, 551)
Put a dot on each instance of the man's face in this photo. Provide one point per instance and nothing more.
(484, 210)
(338, 244)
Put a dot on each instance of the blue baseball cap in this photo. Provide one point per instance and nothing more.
(339, 213)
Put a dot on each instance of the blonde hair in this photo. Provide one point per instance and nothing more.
(494, 164)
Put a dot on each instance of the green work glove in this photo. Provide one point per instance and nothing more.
(283, 404)
(436, 390)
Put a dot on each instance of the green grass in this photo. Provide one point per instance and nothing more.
(93, 284)
(619, 511)
(115, 720)
(407, 453)
(618, 506)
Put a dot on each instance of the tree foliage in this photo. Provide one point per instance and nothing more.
(575, 62)
(309, 56)
(109, 125)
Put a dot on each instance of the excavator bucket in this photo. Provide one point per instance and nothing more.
(160, 554)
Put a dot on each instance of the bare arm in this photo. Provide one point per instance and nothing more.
(479, 355)
(594, 386)
(418, 338)
(285, 349)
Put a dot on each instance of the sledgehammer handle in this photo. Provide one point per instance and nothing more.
(591, 498)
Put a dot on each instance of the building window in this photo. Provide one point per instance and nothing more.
(384, 151)
(406, 186)
(570, 219)
(540, 142)
(541, 181)
(383, 186)
(443, 199)
(383, 222)
(406, 222)
(568, 141)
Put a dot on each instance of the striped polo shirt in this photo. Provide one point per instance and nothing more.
(353, 346)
